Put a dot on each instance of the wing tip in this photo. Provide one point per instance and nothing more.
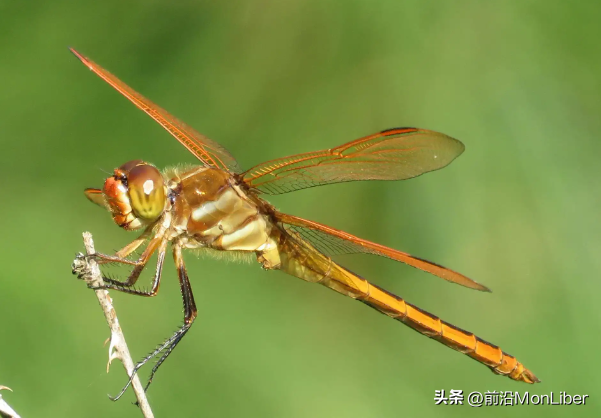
(80, 57)
(456, 277)
(483, 288)
(407, 130)
(469, 283)
(391, 131)
(74, 52)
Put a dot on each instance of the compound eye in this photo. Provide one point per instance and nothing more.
(146, 191)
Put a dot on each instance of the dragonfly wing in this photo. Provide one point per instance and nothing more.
(394, 154)
(332, 241)
(96, 196)
(209, 152)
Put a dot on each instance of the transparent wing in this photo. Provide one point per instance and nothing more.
(394, 154)
(333, 241)
(209, 152)
(96, 196)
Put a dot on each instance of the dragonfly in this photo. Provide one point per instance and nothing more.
(214, 206)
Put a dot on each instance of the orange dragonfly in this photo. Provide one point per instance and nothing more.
(217, 207)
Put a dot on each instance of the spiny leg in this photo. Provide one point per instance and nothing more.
(190, 313)
(158, 242)
(133, 246)
(125, 287)
(121, 255)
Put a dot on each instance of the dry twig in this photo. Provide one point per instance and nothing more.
(90, 272)
(5, 409)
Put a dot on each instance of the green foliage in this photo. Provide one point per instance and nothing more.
(517, 82)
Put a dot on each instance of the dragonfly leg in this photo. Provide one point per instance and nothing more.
(190, 313)
(158, 242)
(121, 255)
(126, 287)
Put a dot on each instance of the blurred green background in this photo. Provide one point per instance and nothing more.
(516, 81)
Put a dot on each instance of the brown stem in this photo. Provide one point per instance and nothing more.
(118, 347)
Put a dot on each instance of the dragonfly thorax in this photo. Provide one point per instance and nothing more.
(212, 211)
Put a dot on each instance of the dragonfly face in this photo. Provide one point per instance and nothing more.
(215, 206)
(136, 195)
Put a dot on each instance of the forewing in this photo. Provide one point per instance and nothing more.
(209, 152)
(333, 241)
(394, 154)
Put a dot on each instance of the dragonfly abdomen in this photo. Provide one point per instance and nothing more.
(456, 338)
(302, 260)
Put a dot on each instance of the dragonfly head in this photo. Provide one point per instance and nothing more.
(135, 195)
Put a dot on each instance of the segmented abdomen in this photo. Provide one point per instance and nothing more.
(300, 259)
